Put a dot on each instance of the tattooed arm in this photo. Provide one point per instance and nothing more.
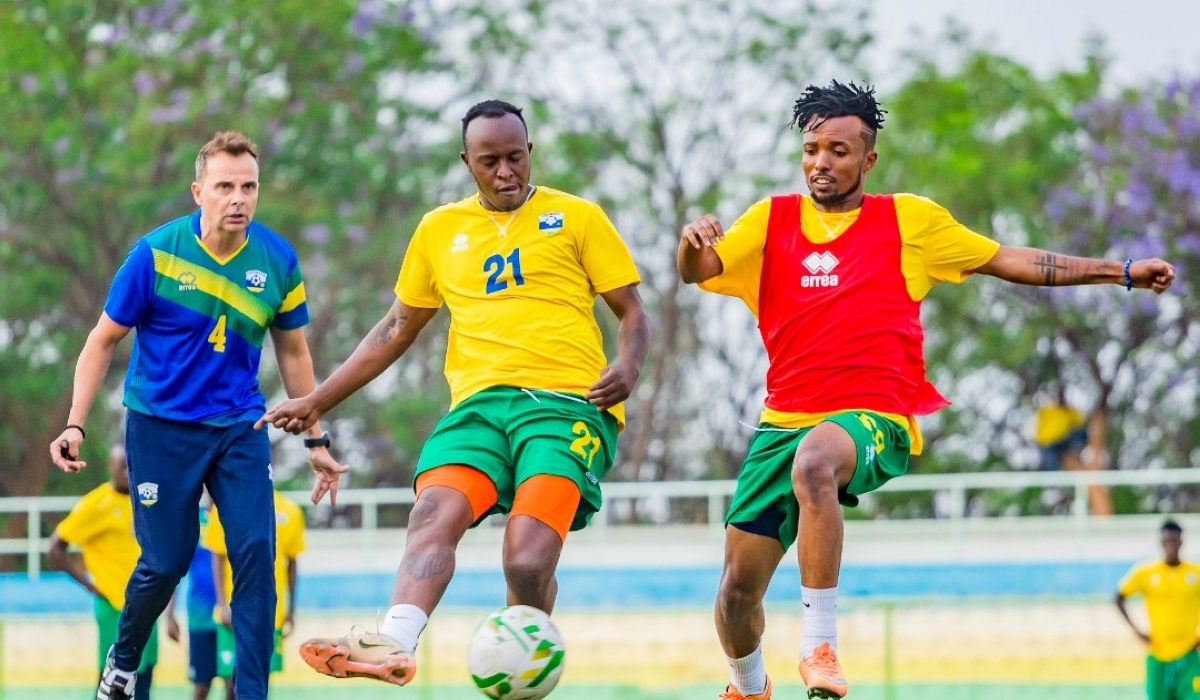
(390, 338)
(1046, 269)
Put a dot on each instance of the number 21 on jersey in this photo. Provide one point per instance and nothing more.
(497, 266)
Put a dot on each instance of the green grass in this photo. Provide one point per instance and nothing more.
(367, 690)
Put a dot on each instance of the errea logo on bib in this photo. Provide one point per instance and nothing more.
(820, 265)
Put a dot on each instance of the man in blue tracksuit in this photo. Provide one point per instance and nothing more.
(202, 292)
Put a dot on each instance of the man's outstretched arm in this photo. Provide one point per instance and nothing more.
(390, 338)
(1044, 268)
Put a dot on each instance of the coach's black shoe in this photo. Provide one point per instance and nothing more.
(115, 684)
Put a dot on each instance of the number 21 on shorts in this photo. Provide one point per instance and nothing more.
(586, 445)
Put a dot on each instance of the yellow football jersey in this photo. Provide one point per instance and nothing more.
(101, 526)
(521, 289)
(1053, 423)
(289, 543)
(1172, 595)
(935, 248)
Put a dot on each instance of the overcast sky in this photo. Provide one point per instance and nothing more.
(1147, 39)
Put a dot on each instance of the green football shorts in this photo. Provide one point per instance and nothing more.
(512, 434)
(764, 498)
(107, 618)
(1173, 680)
(226, 657)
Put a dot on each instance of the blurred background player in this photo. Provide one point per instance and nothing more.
(202, 628)
(1062, 433)
(289, 543)
(1171, 589)
(101, 526)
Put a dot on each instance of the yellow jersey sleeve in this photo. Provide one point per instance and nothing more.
(741, 255)
(289, 531)
(416, 284)
(605, 258)
(1134, 581)
(101, 526)
(213, 537)
(82, 524)
(937, 248)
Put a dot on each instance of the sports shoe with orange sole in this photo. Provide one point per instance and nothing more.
(360, 655)
(732, 693)
(822, 674)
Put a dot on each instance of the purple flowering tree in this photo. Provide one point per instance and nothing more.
(1136, 195)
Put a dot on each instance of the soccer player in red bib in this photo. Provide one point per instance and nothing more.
(836, 279)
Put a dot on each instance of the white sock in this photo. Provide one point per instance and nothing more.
(748, 674)
(404, 623)
(820, 619)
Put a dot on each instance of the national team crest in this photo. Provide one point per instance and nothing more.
(147, 493)
(550, 223)
(256, 280)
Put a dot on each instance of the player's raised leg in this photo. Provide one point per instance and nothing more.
(449, 500)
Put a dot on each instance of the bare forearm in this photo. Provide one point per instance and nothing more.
(90, 371)
(697, 264)
(62, 560)
(387, 341)
(296, 373)
(633, 341)
(1047, 269)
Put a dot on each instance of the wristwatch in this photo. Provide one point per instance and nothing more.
(322, 441)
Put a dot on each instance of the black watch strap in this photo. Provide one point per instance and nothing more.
(322, 441)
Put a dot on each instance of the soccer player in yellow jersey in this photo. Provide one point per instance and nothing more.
(101, 526)
(1171, 589)
(535, 406)
(289, 544)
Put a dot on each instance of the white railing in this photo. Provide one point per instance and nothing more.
(715, 493)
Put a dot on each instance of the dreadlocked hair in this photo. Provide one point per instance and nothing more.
(838, 100)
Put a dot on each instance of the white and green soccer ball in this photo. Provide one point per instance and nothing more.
(516, 653)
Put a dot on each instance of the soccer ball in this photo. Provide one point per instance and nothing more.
(516, 653)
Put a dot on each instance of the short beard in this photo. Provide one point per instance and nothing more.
(840, 197)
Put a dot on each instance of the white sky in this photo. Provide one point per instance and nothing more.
(1146, 39)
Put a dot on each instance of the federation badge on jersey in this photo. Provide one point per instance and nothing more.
(550, 223)
(256, 280)
(147, 493)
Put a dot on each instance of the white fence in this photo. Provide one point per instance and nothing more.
(715, 494)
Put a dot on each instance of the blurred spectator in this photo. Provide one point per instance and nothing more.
(1060, 433)
(1067, 439)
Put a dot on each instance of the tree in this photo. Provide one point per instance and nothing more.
(1138, 195)
(106, 105)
